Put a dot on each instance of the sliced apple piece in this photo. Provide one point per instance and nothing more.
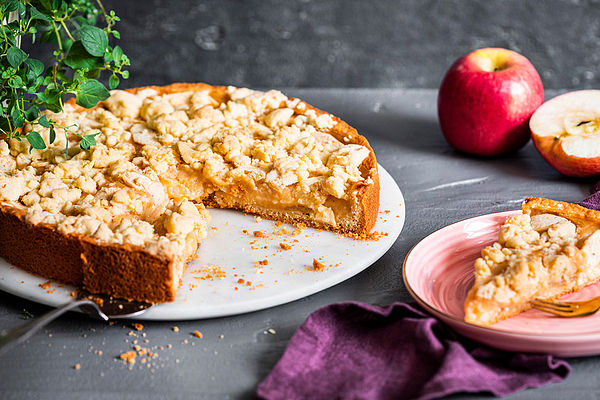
(566, 132)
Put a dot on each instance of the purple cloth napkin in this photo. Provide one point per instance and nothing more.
(593, 200)
(358, 351)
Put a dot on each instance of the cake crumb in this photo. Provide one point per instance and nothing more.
(271, 331)
(259, 234)
(128, 357)
(318, 266)
(285, 246)
(264, 262)
(45, 285)
(210, 272)
(241, 281)
(137, 326)
(175, 329)
(198, 334)
(77, 366)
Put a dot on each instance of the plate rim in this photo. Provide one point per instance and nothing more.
(453, 320)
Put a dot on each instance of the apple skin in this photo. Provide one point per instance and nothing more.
(486, 99)
(549, 132)
(567, 164)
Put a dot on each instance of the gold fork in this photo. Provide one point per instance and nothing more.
(568, 309)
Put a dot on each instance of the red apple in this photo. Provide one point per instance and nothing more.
(486, 99)
(566, 132)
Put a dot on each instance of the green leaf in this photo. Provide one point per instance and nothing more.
(36, 14)
(90, 93)
(117, 54)
(22, 10)
(116, 34)
(108, 57)
(35, 140)
(67, 43)
(42, 97)
(113, 82)
(94, 74)
(31, 80)
(78, 58)
(32, 113)
(125, 74)
(35, 65)
(52, 137)
(94, 40)
(15, 82)
(88, 141)
(17, 117)
(15, 56)
(10, 5)
(43, 121)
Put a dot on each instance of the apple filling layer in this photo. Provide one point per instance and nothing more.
(538, 255)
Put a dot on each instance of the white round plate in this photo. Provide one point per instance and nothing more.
(227, 278)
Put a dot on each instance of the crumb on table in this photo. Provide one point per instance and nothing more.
(137, 326)
(128, 356)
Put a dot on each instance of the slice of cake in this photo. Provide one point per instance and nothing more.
(124, 217)
(553, 248)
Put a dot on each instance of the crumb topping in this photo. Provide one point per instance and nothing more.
(159, 156)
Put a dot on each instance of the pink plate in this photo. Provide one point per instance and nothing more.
(438, 273)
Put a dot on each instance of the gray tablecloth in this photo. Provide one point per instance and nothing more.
(440, 187)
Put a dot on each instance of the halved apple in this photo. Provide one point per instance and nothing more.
(566, 132)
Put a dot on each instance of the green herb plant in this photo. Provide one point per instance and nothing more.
(81, 52)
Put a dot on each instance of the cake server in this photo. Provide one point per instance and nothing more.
(97, 305)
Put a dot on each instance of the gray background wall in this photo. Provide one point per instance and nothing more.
(352, 43)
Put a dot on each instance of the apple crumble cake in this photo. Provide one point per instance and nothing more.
(553, 248)
(124, 217)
